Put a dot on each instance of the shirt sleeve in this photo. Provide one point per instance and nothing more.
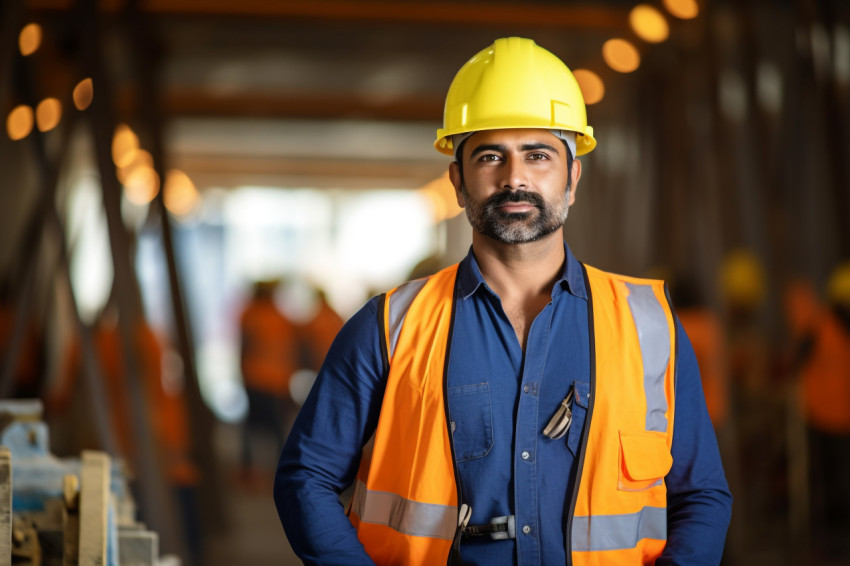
(699, 504)
(322, 454)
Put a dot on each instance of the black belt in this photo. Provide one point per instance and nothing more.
(499, 528)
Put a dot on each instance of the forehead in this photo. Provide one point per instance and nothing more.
(513, 137)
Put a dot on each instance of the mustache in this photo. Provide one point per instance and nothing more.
(515, 196)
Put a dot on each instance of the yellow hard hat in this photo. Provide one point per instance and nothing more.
(838, 286)
(514, 83)
(742, 278)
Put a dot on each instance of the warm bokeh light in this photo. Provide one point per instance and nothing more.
(29, 39)
(441, 193)
(648, 23)
(48, 113)
(19, 122)
(125, 144)
(138, 158)
(141, 185)
(621, 55)
(683, 9)
(180, 194)
(592, 87)
(83, 93)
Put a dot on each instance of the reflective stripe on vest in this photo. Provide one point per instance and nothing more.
(403, 515)
(402, 297)
(617, 532)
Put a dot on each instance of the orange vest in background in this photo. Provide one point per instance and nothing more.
(320, 332)
(826, 377)
(269, 348)
(166, 409)
(704, 331)
(405, 503)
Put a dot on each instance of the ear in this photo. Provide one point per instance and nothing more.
(457, 182)
(575, 175)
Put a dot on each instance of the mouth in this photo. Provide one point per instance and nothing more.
(516, 207)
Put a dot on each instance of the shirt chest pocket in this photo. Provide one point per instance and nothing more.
(471, 421)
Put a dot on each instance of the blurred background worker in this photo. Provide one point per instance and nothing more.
(269, 357)
(162, 387)
(756, 392)
(705, 331)
(318, 333)
(823, 364)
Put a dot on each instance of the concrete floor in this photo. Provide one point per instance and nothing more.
(254, 535)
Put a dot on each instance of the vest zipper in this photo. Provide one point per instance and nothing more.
(583, 451)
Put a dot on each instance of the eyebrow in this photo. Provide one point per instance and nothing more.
(502, 149)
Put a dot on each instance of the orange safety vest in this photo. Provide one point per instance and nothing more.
(405, 502)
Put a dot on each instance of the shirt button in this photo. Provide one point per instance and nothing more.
(526, 529)
(525, 389)
(525, 455)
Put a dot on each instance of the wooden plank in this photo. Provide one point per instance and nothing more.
(548, 15)
(71, 520)
(94, 507)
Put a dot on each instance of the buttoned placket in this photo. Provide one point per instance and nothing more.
(526, 478)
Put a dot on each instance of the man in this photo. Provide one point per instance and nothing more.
(471, 392)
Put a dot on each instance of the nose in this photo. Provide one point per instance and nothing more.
(515, 173)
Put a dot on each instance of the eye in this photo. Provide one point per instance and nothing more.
(537, 156)
(488, 158)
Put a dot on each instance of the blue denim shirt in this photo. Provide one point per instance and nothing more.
(500, 399)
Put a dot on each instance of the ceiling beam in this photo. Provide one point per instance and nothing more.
(199, 102)
(441, 12)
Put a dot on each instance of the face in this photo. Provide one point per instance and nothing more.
(514, 184)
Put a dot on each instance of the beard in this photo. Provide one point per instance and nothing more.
(488, 219)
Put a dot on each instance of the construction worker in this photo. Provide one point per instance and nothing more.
(703, 327)
(163, 398)
(519, 407)
(319, 332)
(823, 359)
(269, 357)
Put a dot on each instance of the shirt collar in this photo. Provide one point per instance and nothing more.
(571, 280)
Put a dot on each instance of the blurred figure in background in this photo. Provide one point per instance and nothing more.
(757, 398)
(822, 361)
(269, 357)
(319, 332)
(703, 327)
(162, 385)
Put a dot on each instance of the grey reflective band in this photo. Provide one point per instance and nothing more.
(654, 337)
(400, 301)
(617, 532)
(403, 515)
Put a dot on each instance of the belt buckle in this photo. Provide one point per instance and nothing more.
(510, 527)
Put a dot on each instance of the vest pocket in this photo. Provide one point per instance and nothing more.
(644, 460)
(471, 421)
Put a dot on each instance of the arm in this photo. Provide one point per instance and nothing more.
(322, 453)
(699, 504)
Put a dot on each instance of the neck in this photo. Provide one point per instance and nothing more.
(522, 271)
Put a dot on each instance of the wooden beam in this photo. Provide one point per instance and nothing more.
(553, 16)
(200, 102)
